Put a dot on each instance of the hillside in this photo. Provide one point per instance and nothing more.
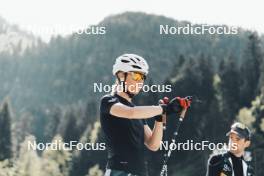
(75, 62)
(47, 92)
(14, 40)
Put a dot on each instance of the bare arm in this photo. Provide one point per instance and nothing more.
(137, 112)
(153, 138)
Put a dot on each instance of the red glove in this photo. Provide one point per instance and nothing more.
(176, 105)
(185, 103)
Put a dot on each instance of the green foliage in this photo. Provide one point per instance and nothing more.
(95, 171)
(56, 162)
(28, 163)
(5, 131)
(74, 63)
(51, 88)
(250, 70)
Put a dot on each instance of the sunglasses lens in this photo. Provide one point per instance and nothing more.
(138, 76)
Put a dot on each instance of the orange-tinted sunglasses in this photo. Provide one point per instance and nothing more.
(137, 76)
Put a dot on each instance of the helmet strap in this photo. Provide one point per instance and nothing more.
(122, 82)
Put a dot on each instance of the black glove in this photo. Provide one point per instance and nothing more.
(164, 101)
(176, 105)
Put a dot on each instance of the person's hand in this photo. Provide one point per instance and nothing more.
(160, 118)
(185, 103)
(165, 100)
(176, 105)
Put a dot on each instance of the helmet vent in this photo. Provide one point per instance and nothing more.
(125, 61)
(137, 58)
(133, 60)
(135, 66)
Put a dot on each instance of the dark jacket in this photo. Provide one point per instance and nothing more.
(221, 165)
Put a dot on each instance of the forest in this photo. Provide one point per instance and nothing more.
(47, 95)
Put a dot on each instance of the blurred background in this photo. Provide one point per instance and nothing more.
(46, 78)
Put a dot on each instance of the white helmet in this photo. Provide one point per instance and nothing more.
(130, 62)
